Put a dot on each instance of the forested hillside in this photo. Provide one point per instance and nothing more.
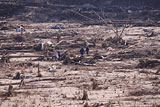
(153, 3)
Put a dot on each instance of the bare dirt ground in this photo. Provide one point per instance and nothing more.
(112, 75)
(119, 82)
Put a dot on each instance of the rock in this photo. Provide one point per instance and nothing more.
(58, 26)
(130, 11)
(158, 22)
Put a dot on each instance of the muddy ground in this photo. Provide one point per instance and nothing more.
(114, 74)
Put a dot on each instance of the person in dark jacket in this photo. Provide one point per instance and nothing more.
(87, 49)
(82, 51)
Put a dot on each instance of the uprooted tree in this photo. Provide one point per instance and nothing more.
(117, 28)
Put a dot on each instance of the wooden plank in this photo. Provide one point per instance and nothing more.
(18, 51)
(35, 80)
(26, 56)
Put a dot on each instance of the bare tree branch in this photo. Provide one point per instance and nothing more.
(81, 15)
(102, 18)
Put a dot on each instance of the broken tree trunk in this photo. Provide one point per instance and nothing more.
(145, 63)
(37, 80)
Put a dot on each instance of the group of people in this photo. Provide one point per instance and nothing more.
(82, 50)
(21, 29)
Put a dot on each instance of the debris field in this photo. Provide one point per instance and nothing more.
(122, 68)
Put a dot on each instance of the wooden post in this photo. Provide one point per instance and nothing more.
(58, 37)
(39, 74)
(10, 90)
(22, 80)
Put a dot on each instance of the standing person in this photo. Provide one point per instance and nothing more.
(58, 55)
(22, 80)
(42, 46)
(82, 51)
(87, 49)
(22, 29)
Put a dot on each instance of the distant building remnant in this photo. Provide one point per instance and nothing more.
(88, 6)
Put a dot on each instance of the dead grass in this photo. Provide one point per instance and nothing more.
(94, 84)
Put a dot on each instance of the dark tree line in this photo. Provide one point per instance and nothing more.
(153, 3)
